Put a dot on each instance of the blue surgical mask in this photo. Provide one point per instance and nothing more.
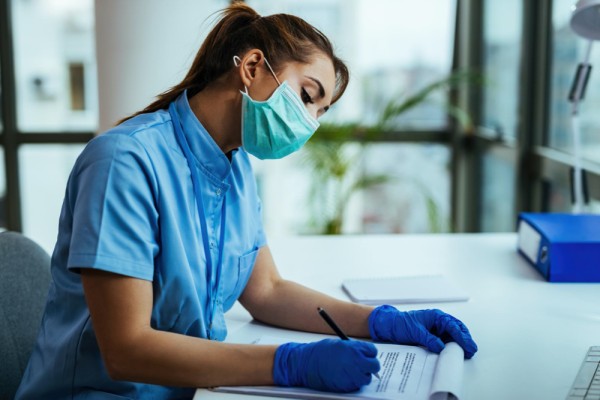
(278, 126)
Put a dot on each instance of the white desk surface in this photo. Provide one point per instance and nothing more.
(532, 335)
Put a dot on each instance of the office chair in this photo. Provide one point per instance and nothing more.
(24, 282)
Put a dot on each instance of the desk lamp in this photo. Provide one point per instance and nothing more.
(585, 22)
(566, 247)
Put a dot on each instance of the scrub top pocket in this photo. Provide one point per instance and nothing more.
(245, 264)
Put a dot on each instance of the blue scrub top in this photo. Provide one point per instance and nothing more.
(130, 209)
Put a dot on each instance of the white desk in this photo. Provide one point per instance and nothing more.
(532, 335)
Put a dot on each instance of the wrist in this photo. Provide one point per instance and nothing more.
(380, 322)
(281, 364)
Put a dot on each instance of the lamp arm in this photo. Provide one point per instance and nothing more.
(582, 75)
(575, 96)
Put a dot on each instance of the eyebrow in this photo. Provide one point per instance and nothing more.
(318, 82)
(321, 89)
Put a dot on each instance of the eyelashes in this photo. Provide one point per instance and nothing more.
(306, 97)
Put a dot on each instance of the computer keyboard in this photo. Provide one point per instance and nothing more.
(587, 381)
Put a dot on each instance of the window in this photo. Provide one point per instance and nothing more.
(498, 191)
(417, 197)
(500, 118)
(391, 48)
(55, 65)
(501, 66)
(568, 51)
(49, 108)
(392, 51)
(43, 177)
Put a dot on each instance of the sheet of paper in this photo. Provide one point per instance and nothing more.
(407, 373)
(447, 379)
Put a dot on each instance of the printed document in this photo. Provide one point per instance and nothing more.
(407, 373)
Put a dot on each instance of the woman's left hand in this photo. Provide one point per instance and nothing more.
(429, 328)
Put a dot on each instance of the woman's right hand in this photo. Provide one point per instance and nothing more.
(330, 365)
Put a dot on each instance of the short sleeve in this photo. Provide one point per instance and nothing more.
(113, 205)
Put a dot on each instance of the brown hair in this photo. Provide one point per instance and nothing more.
(282, 37)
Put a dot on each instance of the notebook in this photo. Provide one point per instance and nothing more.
(404, 290)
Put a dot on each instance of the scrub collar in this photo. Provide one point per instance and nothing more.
(203, 147)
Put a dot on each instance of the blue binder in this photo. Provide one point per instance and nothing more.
(562, 247)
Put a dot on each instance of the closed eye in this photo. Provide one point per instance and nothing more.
(306, 97)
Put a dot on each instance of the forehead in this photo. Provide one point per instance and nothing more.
(318, 67)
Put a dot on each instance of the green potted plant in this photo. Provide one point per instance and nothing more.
(334, 157)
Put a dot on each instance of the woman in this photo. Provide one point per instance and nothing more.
(160, 233)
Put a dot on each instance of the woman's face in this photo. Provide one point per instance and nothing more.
(314, 82)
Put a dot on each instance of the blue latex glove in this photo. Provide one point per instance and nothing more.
(429, 328)
(330, 365)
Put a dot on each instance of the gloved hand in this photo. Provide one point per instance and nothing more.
(429, 328)
(331, 365)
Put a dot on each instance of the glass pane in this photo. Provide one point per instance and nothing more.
(55, 65)
(501, 60)
(569, 50)
(44, 170)
(416, 199)
(559, 199)
(299, 197)
(2, 190)
(498, 191)
(393, 48)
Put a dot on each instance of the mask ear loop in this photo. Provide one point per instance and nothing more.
(273, 72)
(237, 61)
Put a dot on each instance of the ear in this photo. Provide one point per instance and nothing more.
(249, 66)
